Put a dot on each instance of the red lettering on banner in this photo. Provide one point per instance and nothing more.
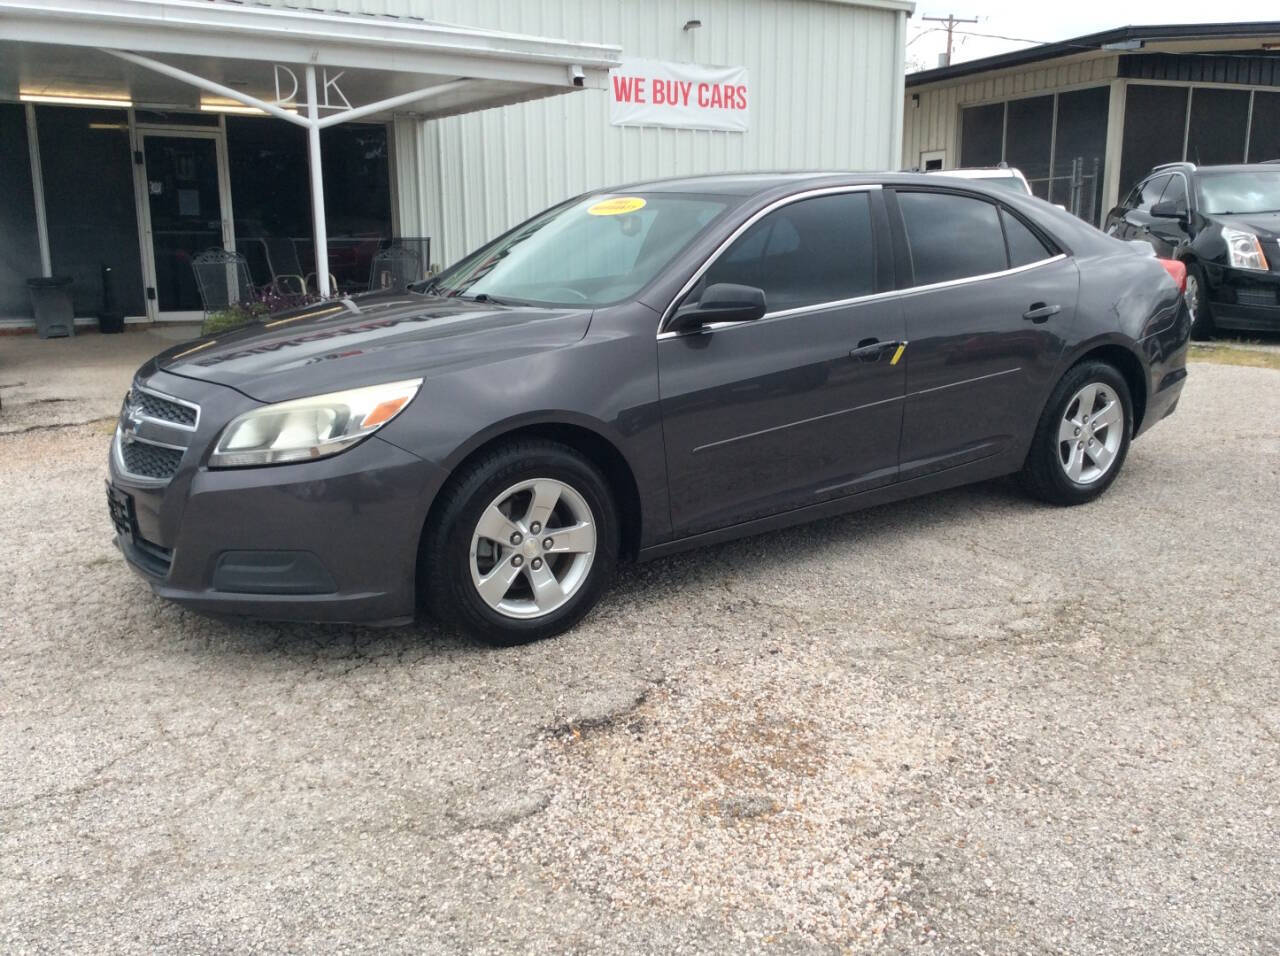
(702, 95)
(623, 88)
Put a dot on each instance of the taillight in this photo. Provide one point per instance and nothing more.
(1178, 270)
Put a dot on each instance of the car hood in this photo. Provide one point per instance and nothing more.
(380, 337)
(1265, 225)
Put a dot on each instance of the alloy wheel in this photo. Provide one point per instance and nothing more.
(532, 548)
(1090, 433)
(1192, 296)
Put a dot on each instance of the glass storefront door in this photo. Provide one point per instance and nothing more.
(188, 209)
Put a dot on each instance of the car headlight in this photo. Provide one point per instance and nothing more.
(307, 428)
(1244, 251)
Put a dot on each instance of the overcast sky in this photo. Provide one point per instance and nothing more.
(1046, 22)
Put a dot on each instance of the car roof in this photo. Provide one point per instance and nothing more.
(1193, 169)
(1237, 168)
(753, 184)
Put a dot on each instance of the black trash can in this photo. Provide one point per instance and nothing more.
(111, 318)
(51, 300)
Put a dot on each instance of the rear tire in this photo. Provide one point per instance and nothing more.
(1083, 436)
(486, 565)
(1202, 325)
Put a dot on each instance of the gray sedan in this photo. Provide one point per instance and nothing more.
(634, 372)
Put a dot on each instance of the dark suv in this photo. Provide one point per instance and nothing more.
(1224, 223)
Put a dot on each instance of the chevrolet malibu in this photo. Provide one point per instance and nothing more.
(633, 373)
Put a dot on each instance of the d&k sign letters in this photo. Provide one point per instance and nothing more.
(683, 95)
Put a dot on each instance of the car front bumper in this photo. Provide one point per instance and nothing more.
(1245, 299)
(332, 540)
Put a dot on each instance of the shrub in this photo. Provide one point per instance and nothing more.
(266, 303)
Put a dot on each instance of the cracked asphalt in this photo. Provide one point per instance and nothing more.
(966, 723)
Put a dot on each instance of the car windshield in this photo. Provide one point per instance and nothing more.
(591, 252)
(1225, 194)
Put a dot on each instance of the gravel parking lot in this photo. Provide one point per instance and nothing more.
(963, 723)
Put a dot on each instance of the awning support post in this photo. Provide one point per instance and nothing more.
(317, 186)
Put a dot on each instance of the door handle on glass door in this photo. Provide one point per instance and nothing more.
(1039, 312)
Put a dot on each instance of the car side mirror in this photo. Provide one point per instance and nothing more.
(1168, 210)
(722, 302)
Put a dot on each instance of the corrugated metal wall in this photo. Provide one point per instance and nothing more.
(826, 86)
(934, 123)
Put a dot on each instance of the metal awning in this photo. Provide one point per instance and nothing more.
(304, 67)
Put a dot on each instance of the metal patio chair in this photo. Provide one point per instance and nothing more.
(286, 270)
(394, 268)
(223, 279)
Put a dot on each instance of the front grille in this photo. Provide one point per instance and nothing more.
(153, 406)
(1256, 297)
(150, 461)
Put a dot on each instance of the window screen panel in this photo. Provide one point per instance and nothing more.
(951, 237)
(1154, 122)
(1218, 120)
(19, 244)
(1081, 136)
(1025, 246)
(1028, 139)
(811, 251)
(981, 135)
(1264, 137)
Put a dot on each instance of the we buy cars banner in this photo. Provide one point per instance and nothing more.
(683, 95)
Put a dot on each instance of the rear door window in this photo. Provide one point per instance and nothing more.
(952, 237)
(805, 253)
(1025, 246)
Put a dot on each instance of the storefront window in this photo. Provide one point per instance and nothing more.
(89, 203)
(19, 243)
(357, 199)
(271, 196)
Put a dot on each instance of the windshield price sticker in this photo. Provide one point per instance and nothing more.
(616, 206)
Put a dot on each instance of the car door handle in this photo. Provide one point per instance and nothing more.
(1039, 312)
(872, 350)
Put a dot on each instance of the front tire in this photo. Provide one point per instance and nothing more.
(1083, 436)
(1202, 325)
(523, 544)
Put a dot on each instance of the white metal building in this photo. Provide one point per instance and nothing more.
(1103, 109)
(826, 80)
(134, 133)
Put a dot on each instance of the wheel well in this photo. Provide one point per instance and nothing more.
(1128, 365)
(599, 451)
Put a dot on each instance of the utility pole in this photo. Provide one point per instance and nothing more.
(951, 21)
